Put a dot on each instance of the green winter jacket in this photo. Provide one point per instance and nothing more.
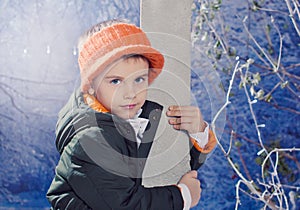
(100, 166)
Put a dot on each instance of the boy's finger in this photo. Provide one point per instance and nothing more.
(176, 126)
(193, 174)
(173, 113)
(176, 107)
(180, 120)
(179, 113)
(175, 121)
(182, 126)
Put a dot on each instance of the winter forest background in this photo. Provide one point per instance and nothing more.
(39, 71)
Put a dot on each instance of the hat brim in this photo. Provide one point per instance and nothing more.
(155, 58)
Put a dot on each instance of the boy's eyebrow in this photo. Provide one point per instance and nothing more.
(120, 77)
(144, 75)
(113, 76)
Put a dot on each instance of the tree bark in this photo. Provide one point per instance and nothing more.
(167, 24)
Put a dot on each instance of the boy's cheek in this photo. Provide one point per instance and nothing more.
(143, 89)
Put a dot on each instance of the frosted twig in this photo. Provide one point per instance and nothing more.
(237, 188)
(230, 143)
(270, 190)
(251, 108)
(292, 14)
(279, 59)
(277, 185)
(280, 45)
(273, 89)
(271, 62)
(277, 150)
(213, 126)
(257, 126)
(258, 45)
(243, 180)
(297, 5)
(217, 35)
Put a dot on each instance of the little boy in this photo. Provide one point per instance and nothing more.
(105, 131)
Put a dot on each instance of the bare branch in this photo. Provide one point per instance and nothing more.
(13, 102)
(292, 15)
(36, 82)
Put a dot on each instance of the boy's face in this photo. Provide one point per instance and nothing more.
(123, 87)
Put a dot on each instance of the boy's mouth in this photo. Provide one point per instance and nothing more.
(129, 106)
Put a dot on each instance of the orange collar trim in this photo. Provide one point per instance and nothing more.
(93, 103)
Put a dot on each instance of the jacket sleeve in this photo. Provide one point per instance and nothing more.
(198, 154)
(61, 195)
(80, 181)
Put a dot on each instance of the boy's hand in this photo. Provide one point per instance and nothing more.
(191, 181)
(187, 118)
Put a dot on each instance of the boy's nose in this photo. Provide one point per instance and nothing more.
(129, 93)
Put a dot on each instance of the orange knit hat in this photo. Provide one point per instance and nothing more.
(111, 43)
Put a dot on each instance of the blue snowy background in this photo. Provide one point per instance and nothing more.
(38, 60)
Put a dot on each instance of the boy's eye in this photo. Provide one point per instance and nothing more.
(139, 79)
(115, 81)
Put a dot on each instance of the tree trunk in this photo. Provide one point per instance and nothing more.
(167, 24)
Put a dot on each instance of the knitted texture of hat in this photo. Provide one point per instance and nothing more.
(111, 43)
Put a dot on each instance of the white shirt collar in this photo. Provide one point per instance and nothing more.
(139, 125)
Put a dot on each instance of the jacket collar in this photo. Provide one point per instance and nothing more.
(77, 115)
(92, 102)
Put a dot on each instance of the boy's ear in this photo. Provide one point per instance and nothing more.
(91, 91)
